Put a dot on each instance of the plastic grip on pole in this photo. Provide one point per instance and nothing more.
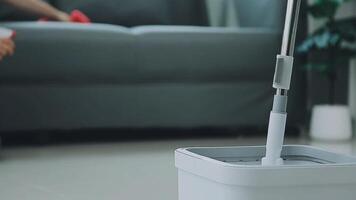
(283, 73)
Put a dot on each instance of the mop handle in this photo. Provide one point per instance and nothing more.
(288, 37)
(281, 82)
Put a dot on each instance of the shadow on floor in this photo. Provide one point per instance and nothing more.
(37, 138)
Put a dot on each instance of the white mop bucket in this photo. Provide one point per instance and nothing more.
(236, 173)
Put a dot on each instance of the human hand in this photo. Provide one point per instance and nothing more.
(75, 16)
(63, 17)
(7, 48)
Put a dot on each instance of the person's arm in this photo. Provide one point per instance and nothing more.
(39, 7)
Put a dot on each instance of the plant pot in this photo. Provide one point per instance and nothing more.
(331, 123)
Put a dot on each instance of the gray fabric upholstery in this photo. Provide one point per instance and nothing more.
(122, 12)
(9, 13)
(126, 13)
(167, 105)
(145, 54)
(137, 12)
(55, 52)
(192, 54)
(70, 76)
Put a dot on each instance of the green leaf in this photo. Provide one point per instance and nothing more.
(324, 8)
(333, 42)
(331, 36)
(321, 40)
(346, 28)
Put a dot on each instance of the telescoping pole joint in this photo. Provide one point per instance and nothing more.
(281, 82)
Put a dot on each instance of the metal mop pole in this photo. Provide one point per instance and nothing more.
(281, 82)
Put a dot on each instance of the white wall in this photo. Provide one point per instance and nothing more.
(351, 10)
(222, 13)
(347, 10)
(352, 90)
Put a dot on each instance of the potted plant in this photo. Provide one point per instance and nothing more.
(334, 41)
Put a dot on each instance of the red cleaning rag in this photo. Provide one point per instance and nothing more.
(76, 16)
(79, 17)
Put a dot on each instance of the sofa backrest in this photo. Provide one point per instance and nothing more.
(127, 13)
(131, 13)
(251, 13)
(9, 13)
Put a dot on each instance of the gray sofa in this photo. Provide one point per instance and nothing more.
(70, 76)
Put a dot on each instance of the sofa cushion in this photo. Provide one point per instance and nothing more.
(198, 54)
(70, 53)
(65, 53)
